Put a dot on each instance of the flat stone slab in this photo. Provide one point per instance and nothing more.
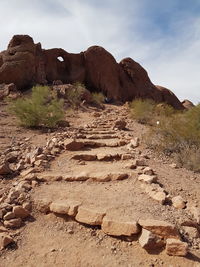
(69, 207)
(85, 157)
(107, 157)
(102, 136)
(160, 228)
(73, 145)
(90, 216)
(119, 227)
(98, 177)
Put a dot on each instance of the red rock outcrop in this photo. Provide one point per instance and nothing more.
(187, 104)
(25, 64)
(169, 97)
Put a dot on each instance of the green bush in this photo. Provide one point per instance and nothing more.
(179, 136)
(42, 108)
(142, 110)
(74, 95)
(98, 98)
(164, 110)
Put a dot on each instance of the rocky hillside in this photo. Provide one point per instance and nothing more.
(25, 63)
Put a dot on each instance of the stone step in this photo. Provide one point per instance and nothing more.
(101, 157)
(98, 132)
(74, 145)
(101, 136)
(97, 177)
(83, 176)
(151, 234)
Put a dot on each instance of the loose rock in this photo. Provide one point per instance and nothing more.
(90, 216)
(176, 247)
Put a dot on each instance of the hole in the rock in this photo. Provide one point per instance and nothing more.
(61, 59)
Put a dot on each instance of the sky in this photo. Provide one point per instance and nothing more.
(162, 35)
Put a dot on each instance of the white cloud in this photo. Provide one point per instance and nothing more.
(124, 28)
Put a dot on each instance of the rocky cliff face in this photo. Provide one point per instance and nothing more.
(25, 64)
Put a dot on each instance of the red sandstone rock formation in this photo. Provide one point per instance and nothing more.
(187, 104)
(25, 64)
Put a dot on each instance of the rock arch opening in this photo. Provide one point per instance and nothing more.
(60, 58)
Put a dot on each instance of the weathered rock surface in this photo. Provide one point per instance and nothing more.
(5, 240)
(91, 216)
(176, 247)
(150, 241)
(178, 202)
(73, 145)
(160, 228)
(119, 227)
(187, 104)
(147, 178)
(20, 212)
(60, 207)
(4, 168)
(68, 207)
(25, 64)
(14, 223)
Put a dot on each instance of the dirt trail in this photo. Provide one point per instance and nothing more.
(100, 177)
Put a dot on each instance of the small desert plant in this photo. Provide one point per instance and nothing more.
(75, 94)
(164, 110)
(189, 157)
(98, 97)
(42, 108)
(142, 110)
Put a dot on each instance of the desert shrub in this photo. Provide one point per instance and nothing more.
(142, 110)
(164, 110)
(74, 95)
(42, 108)
(77, 94)
(189, 157)
(98, 97)
(169, 134)
(179, 136)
